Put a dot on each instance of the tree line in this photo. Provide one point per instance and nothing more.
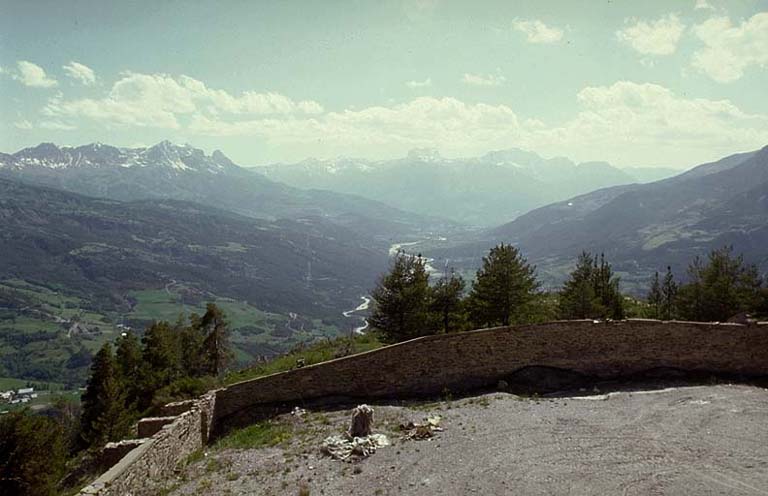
(126, 382)
(505, 291)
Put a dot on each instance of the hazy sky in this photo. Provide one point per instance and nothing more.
(666, 83)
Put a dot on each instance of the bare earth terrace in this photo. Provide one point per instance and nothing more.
(693, 440)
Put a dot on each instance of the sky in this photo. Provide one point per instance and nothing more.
(669, 83)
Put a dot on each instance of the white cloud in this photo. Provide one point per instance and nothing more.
(159, 100)
(450, 124)
(648, 121)
(23, 124)
(625, 123)
(730, 49)
(419, 84)
(537, 32)
(703, 5)
(659, 37)
(33, 75)
(483, 79)
(80, 72)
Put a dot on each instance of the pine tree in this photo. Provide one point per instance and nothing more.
(216, 351)
(720, 288)
(104, 416)
(591, 291)
(32, 454)
(669, 296)
(129, 364)
(161, 361)
(655, 297)
(504, 285)
(191, 338)
(578, 299)
(446, 302)
(401, 299)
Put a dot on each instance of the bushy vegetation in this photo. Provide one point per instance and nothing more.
(32, 454)
(718, 288)
(505, 291)
(309, 354)
(406, 306)
(591, 291)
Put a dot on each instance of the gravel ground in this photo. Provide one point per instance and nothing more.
(678, 440)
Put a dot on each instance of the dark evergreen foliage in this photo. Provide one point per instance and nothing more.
(591, 291)
(104, 416)
(720, 288)
(32, 454)
(503, 287)
(446, 305)
(401, 300)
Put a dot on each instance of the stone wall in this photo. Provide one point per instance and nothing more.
(158, 456)
(429, 365)
(463, 361)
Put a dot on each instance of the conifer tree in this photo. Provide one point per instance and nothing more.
(104, 416)
(446, 302)
(191, 339)
(591, 291)
(401, 299)
(655, 296)
(161, 362)
(669, 296)
(504, 285)
(216, 351)
(720, 288)
(129, 364)
(578, 299)
(32, 454)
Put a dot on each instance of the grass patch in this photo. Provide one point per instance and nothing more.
(262, 434)
(314, 353)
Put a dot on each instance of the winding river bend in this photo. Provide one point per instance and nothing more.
(360, 308)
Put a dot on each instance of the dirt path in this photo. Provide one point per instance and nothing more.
(691, 440)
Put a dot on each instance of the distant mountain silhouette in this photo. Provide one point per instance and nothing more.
(181, 172)
(482, 191)
(644, 227)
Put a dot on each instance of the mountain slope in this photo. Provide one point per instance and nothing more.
(167, 171)
(482, 191)
(643, 228)
(101, 249)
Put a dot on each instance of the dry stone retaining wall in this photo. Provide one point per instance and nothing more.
(429, 365)
(158, 456)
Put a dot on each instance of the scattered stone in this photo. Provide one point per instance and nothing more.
(425, 430)
(298, 412)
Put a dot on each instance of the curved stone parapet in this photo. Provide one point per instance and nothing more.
(462, 361)
(457, 362)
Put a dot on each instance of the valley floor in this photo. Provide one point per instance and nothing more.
(664, 440)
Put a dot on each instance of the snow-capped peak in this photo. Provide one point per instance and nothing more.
(163, 155)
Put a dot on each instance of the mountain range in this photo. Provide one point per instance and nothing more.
(642, 228)
(182, 172)
(481, 191)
